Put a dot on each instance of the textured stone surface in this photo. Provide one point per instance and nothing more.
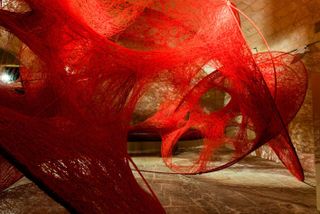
(252, 186)
(27, 198)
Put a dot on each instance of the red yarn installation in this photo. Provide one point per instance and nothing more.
(94, 60)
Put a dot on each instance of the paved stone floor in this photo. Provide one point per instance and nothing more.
(251, 186)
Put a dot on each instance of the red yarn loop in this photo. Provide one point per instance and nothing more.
(84, 67)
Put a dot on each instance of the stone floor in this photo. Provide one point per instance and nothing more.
(251, 186)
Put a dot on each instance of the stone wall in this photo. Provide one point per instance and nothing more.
(288, 25)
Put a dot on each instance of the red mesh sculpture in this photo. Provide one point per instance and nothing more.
(94, 60)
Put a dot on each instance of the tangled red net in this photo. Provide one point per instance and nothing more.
(93, 60)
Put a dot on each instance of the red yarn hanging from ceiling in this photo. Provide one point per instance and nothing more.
(93, 60)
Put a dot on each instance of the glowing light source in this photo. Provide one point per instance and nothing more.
(6, 78)
(9, 74)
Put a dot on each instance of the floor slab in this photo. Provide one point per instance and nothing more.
(252, 186)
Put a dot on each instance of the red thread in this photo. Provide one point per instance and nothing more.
(85, 67)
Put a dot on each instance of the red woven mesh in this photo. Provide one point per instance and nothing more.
(89, 64)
